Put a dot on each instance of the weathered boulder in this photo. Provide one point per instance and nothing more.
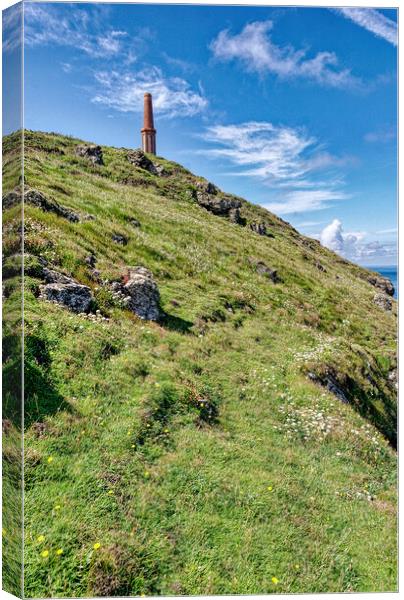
(259, 228)
(93, 153)
(380, 282)
(139, 159)
(382, 301)
(217, 205)
(50, 205)
(64, 290)
(139, 293)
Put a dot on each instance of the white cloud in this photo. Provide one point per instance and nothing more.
(374, 21)
(382, 136)
(286, 159)
(351, 245)
(254, 48)
(11, 25)
(171, 96)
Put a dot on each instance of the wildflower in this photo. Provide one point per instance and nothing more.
(297, 566)
(166, 431)
(57, 507)
(45, 553)
(50, 459)
(59, 551)
(275, 580)
(146, 474)
(270, 488)
(97, 545)
(40, 538)
(110, 492)
(133, 446)
(129, 432)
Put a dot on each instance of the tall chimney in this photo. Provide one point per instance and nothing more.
(148, 131)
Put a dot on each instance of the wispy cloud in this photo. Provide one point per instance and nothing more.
(171, 96)
(374, 21)
(45, 25)
(256, 51)
(380, 136)
(11, 24)
(285, 159)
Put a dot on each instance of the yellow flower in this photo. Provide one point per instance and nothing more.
(133, 446)
(275, 581)
(50, 459)
(110, 492)
(166, 431)
(40, 538)
(3, 531)
(270, 488)
(57, 507)
(297, 566)
(59, 551)
(45, 553)
(97, 545)
(129, 432)
(146, 474)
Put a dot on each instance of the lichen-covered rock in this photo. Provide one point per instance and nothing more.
(93, 153)
(139, 293)
(234, 216)
(139, 159)
(383, 301)
(50, 205)
(74, 296)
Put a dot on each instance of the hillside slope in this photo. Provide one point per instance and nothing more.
(244, 442)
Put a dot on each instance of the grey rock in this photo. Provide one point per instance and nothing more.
(259, 228)
(120, 239)
(134, 223)
(382, 283)
(11, 199)
(50, 205)
(139, 293)
(51, 276)
(220, 206)
(139, 159)
(234, 216)
(77, 298)
(207, 188)
(263, 269)
(90, 260)
(383, 301)
(93, 153)
(330, 382)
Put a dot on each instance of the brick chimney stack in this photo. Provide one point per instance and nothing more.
(148, 131)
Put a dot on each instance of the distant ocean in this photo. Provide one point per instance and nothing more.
(390, 273)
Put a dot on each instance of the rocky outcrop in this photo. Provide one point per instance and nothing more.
(50, 205)
(139, 159)
(92, 153)
(259, 228)
(207, 188)
(382, 301)
(329, 381)
(61, 289)
(382, 283)
(139, 293)
(223, 206)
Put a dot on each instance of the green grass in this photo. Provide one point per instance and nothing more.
(196, 451)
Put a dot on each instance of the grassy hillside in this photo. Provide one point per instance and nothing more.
(204, 453)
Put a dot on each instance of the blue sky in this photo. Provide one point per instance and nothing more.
(292, 108)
